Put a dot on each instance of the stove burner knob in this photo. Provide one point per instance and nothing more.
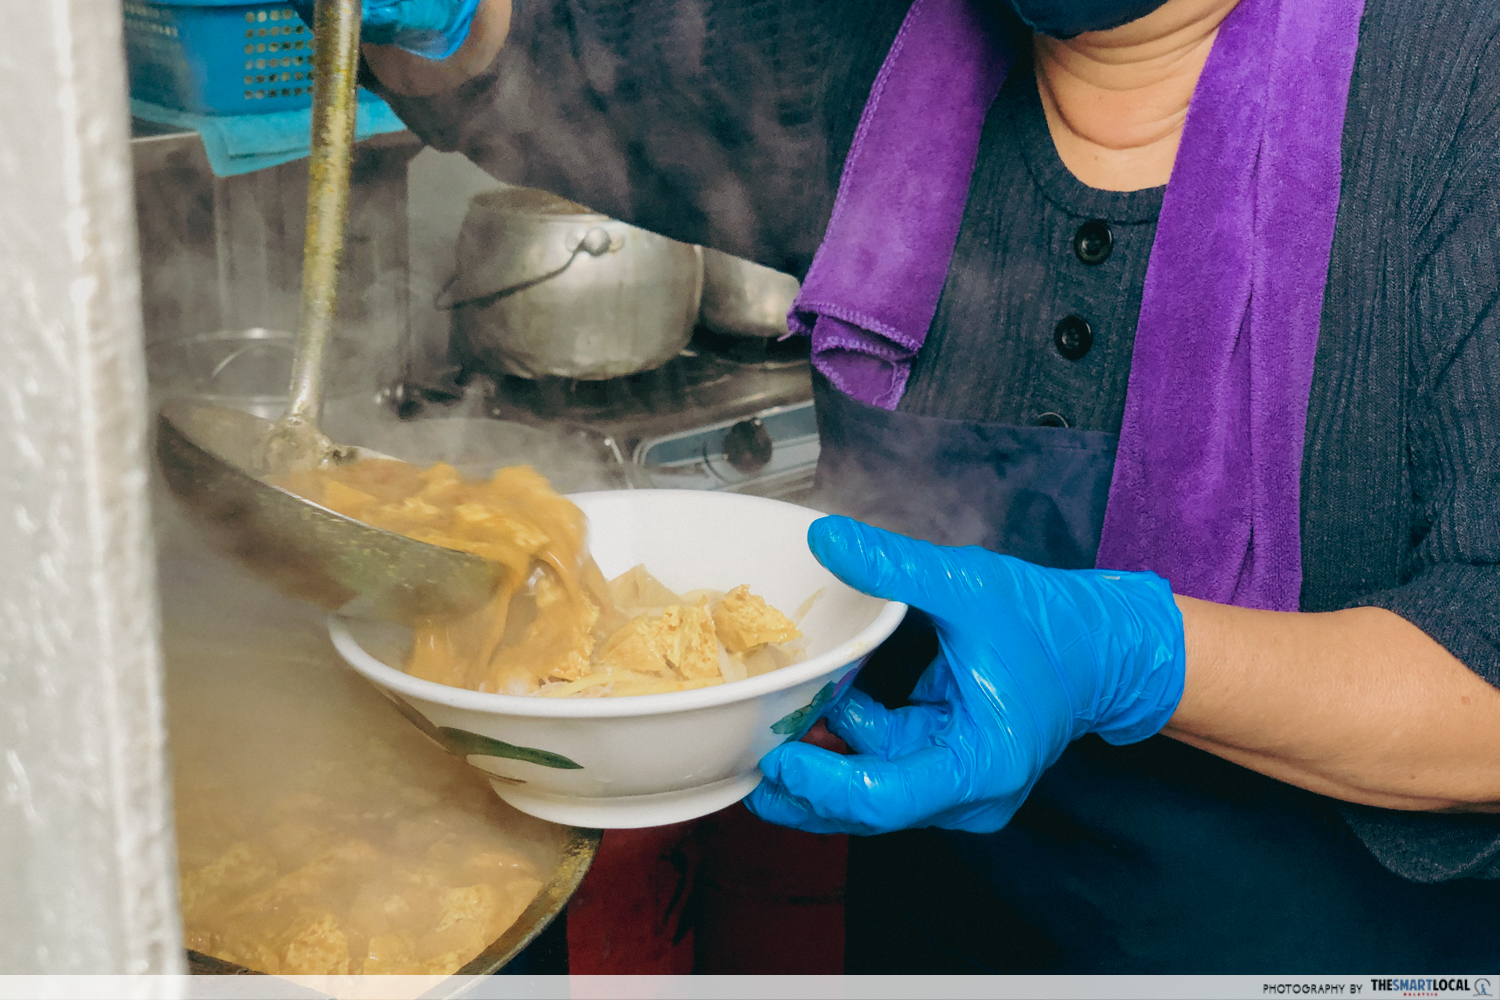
(747, 446)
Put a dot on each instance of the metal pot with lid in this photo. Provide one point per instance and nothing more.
(545, 287)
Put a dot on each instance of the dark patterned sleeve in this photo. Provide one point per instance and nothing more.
(720, 122)
(1453, 589)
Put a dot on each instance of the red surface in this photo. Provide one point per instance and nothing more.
(627, 916)
(723, 895)
(771, 900)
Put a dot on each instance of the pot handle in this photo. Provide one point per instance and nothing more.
(596, 243)
(241, 351)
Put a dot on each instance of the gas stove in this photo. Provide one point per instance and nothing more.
(732, 414)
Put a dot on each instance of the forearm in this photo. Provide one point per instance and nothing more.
(1359, 705)
(415, 76)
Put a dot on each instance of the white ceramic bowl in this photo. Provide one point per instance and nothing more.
(649, 760)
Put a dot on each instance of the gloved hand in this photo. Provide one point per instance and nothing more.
(1031, 659)
(433, 29)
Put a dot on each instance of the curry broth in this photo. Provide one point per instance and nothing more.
(553, 627)
(317, 831)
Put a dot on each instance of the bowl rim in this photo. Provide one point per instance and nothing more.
(848, 652)
(530, 706)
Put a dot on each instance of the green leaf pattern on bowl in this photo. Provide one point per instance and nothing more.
(795, 725)
(462, 743)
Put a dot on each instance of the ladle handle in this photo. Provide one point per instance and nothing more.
(335, 97)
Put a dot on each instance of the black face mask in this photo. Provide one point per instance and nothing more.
(1066, 18)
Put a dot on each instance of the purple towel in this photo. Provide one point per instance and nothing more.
(1207, 481)
(874, 284)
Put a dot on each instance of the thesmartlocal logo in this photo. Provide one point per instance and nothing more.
(1434, 986)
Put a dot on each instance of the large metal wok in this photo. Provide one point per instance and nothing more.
(578, 852)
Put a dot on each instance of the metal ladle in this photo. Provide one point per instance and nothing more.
(217, 459)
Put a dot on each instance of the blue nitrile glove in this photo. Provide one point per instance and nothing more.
(433, 29)
(1031, 659)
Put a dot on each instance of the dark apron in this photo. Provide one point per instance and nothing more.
(1151, 858)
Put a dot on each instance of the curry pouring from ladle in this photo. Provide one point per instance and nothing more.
(218, 460)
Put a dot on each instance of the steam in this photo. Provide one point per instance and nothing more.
(223, 255)
(648, 113)
(628, 111)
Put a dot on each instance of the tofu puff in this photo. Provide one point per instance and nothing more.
(359, 909)
(379, 872)
(745, 622)
(673, 642)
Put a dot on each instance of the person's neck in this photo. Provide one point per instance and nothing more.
(1116, 100)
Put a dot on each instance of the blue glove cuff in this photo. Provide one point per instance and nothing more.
(421, 27)
(1151, 690)
(437, 45)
